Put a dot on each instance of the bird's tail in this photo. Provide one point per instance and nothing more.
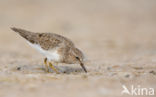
(25, 34)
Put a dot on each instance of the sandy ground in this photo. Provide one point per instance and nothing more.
(117, 36)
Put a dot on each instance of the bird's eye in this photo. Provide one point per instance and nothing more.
(77, 58)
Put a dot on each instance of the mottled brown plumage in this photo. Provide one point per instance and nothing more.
(55, 47)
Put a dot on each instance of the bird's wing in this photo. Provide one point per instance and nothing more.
(48, 40)
(30, 36)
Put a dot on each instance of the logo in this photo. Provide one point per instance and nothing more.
(138, 90)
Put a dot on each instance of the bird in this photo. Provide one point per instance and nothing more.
(56, 48)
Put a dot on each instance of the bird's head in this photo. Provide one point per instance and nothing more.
(78, 56)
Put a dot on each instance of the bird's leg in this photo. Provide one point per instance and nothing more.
(53, 68)
(46, 65)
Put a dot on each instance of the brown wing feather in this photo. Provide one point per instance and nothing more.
(50, 40)
(30, 36)
(45, 40)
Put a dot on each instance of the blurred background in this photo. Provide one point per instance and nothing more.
(100, 26)
(109, 32)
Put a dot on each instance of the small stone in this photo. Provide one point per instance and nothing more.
(127, 75)
(18, 68)
(108, 68)
(153, 72)
(84, 76)
(138, 68)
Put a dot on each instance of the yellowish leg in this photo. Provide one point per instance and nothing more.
(46, 65)
(53, 68)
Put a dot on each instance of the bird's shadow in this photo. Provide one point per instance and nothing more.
(69, 69)
(42, 69)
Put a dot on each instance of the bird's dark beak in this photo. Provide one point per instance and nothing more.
(82, 65)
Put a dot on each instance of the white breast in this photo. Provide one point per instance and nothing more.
(52, 55)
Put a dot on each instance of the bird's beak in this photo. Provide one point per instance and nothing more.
(82, 65)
